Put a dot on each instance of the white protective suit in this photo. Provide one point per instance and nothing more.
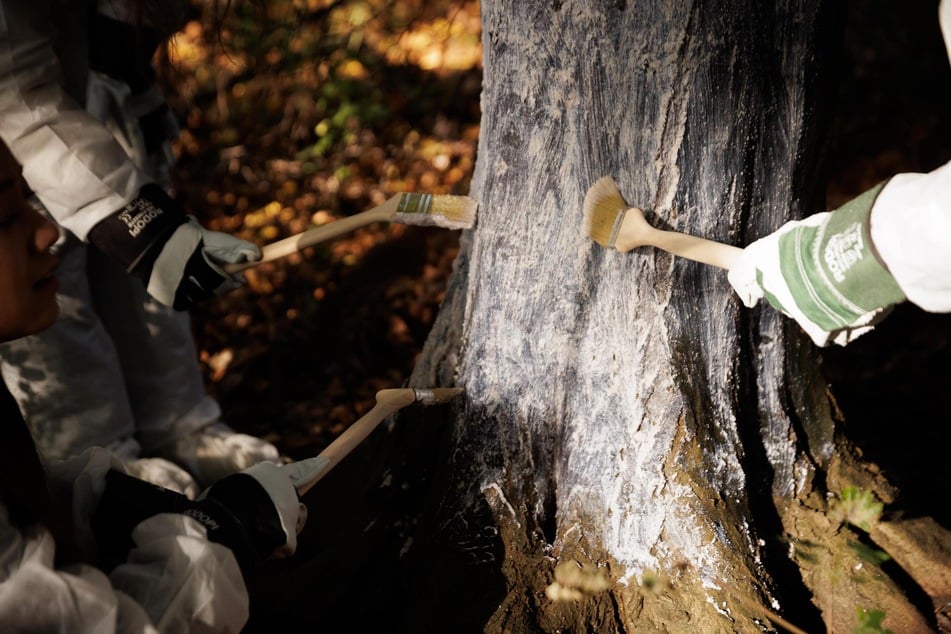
(131, 376)
(174, 580)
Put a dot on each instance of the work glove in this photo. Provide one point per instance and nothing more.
(823, 271)
(256, 513)
(176, 258)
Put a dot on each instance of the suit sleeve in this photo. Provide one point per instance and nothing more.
(911, 222)
(71, 161)
(911, 230)
(173, 580)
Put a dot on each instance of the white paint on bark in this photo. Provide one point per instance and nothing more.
(604, 392)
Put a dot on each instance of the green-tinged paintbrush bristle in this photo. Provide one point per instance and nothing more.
(604, 209)
(441, 210)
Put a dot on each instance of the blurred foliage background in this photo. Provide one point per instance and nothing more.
(295, 113)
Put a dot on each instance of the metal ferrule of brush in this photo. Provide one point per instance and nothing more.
(424, 395)
(616, 228)
(414, 204)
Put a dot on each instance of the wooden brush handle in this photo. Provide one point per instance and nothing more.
(309, 238)
(694, 248)
(387, 402)
(636, 232)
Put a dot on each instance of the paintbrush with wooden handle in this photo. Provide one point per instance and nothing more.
(612, 223)
(387, 402)
(440, 210)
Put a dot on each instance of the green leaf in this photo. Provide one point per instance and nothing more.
(869, 554)
(857, 507)
(870, 622)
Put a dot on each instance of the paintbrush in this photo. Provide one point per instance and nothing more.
(612, 223)
(440, 210)
(387, 402)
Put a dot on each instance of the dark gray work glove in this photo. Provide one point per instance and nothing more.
(256, 513)
(176, 258)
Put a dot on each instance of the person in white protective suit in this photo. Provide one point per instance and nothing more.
(84, 547)
(80, 110)
(838, 273)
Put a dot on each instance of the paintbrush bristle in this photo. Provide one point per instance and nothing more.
(603, 209)
(441, 210)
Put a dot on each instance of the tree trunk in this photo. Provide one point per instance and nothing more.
(625, 419)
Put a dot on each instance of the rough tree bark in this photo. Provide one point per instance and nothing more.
(624, 412)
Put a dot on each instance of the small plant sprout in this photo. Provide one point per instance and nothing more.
(655, 582)
(867, 553)
(858, 507)
(870, 622)
(573, 581)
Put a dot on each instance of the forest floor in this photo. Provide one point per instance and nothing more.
(337, 105)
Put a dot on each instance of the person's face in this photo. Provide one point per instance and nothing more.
(27, 268)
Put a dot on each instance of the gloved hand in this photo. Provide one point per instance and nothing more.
(264, 501)
(823, 272)
(175, 257)
(256, 513)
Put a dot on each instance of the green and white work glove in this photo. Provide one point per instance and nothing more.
(823, 271)
(176, 258)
